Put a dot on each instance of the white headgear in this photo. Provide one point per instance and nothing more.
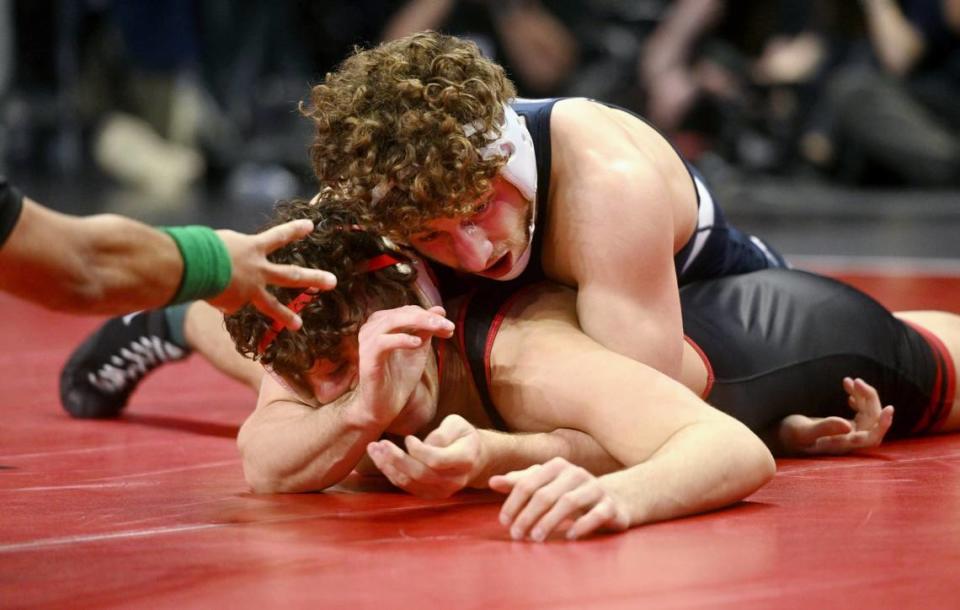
(515, 143)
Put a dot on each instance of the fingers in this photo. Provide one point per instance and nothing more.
(292, 276)
(574, 496)
(829, 426)
(531, 493)
(542, 498)
(457, 457)
(863, 398)
(450, 429)
(859, 439)
(410, 319)
(270, 306)
(408, 474)
(604, 514)
(279, 236)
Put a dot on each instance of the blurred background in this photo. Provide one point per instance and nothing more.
(830, 128)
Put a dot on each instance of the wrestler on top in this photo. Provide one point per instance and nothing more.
(431, 136)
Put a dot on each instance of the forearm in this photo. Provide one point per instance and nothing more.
(506, 452)
(898, 44)
(702, 467)
(97, 264)
(306, 449)
(539, 45)
(131, 265)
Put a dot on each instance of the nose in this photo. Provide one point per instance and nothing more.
(471, 247)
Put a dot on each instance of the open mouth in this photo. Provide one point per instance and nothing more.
(501, 267)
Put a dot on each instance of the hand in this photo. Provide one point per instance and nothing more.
(544, 496)
(836, 435)
(394, 347)
(252, 272)
(440, 465)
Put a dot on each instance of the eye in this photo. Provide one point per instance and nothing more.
(482, 208)
(427, 237)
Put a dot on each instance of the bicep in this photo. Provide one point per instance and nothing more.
(642, 324)
(628, 299)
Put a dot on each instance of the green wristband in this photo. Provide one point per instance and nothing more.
(206, 263)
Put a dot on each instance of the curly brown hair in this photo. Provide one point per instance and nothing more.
(339, 245)
(395, 114)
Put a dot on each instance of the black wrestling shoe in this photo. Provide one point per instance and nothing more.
(101, 374)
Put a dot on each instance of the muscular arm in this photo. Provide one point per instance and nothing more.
(618, 207)
(505, 452)
(288, 445)
(98, 264)
(109, 264)
(681, 455)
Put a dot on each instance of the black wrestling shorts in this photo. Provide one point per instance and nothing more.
(780, 342)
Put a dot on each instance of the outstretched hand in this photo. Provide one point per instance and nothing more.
(836, 435)
(252, 272)
(443, 463)
(543, 497)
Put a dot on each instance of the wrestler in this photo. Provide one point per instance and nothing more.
(345, 381)
(108, 264)
(580, 192)
(543, 373)
(451, 163)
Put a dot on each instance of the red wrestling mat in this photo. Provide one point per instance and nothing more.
(151, 511)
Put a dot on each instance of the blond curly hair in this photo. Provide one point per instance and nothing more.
(394, 116)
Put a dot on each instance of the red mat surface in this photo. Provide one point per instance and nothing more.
(151, 511)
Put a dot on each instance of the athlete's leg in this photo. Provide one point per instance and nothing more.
(101, 374)
(946, 327)
(107, 367)
(206, 334)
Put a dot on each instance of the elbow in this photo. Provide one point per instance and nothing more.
(265, 480)
(758, 463)
(261, 476)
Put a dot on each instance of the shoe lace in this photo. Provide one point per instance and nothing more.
(131, 363)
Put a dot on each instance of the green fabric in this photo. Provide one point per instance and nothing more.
(206, 263)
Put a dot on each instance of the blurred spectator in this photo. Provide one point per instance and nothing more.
(668, 62)
(531, 39)
(896, 108)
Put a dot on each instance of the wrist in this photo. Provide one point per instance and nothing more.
(206, 263)
(482, 469)
(357, 413)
